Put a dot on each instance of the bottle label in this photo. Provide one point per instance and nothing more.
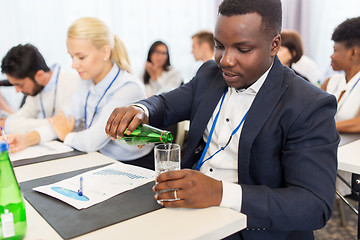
(7, 221)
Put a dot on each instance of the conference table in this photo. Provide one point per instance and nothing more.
(349, 158)
(164, 223)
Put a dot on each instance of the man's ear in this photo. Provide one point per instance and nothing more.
(275, 45)
(40, 77)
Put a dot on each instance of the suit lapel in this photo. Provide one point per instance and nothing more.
(259, 112)
(205, 110)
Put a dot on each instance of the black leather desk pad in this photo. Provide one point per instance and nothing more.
(70, 222)
(45, 158)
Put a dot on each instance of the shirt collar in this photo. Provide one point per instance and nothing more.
(105, 82)
(352, 81)
(52, 82)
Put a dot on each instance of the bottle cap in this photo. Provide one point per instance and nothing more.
(4, 146)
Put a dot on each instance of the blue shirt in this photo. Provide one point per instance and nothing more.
(126, 89)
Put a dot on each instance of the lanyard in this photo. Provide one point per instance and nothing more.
(354, 86)
(92, 119)
(202, 161)
(54, 101)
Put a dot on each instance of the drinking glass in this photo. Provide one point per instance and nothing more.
(167, 158)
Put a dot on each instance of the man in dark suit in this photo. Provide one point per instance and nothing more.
(271, 141)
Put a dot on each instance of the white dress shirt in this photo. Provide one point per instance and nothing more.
(168, 80)
(30, 115)
(348, 108)
(126, 89)
(224, 165)
(349, 104)
(309, 69)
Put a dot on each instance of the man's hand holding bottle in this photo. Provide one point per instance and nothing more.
(124, 117)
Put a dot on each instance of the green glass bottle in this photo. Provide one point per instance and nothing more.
(12, 207)
(145, 134)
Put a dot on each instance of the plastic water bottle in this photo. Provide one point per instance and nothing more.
(145, 134)
(12, 207)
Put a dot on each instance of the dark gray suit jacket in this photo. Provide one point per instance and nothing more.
(287, 158)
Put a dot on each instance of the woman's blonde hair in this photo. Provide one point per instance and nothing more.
(100, 35)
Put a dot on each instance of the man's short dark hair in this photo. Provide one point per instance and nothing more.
(23, 61)
(269, 10)
(205, 36)
(348, 32)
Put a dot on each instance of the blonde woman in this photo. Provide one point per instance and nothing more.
(102, 62)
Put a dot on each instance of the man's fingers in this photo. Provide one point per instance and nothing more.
(113, 122)
(129, 118)
(171, 175)
(109, 123)
(174, 204)
(172, 198)
(132, 120)
(124, 118)
(171, 180)
(126, 123)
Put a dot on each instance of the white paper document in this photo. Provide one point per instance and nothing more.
(98, 185)
(48, 148)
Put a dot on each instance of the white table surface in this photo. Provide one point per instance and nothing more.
(349, 157)
(165, 223)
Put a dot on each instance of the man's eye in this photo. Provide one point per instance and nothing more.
(242, 50)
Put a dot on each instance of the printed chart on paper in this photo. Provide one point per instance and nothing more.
(98, 185)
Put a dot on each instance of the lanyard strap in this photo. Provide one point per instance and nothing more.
(354, 86)
(202, 161)
(54, 101)
(87, 97)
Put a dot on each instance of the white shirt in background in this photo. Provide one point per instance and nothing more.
(126, 89)
(168, 81)
(349, 104)
(30, 115)
(348, 108)
(309, 69)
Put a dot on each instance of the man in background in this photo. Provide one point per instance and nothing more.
(203, 46)
(48, 89)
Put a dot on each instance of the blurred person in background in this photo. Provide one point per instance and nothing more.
(102, 62)
(203, 46)
(48, 89)
(159, 76)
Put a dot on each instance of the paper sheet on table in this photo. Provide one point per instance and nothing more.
(48, 148)
(98, 185)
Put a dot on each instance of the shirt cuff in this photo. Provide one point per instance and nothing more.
(46, 133)
(232, 196)
(143, 107)
(68, 138)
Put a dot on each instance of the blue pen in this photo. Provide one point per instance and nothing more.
(3, 133)
(80, 191)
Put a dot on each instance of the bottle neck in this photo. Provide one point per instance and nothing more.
(4, 156)
(7, 175)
